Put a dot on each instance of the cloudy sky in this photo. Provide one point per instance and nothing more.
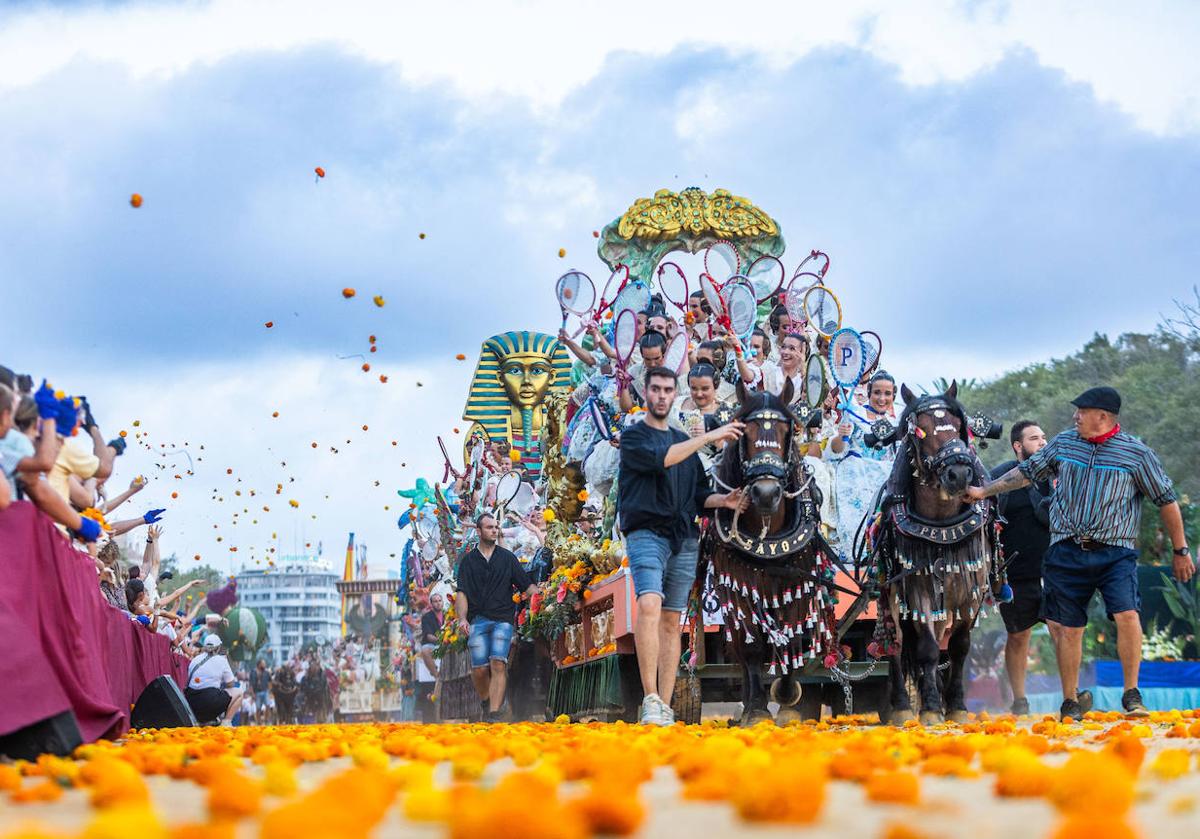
(995, 182)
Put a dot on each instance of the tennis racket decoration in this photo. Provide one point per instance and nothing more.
(793, 299)
(712, 295)
(604, 426)
(816, 263)
(676, 357)
(576, 295)
(506, 491)
(823, 310)
(814, 382)
(624, 342)
(721, 261)
(741, 308)
(847, 360)
(673, 284)
(634, 296)
(766, 275)
(449, 470)
(874, 349)
(617, 280)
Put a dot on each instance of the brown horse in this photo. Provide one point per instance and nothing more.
(770, 562)
(939, 554)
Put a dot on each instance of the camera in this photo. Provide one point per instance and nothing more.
(881, 434)
(984, 428)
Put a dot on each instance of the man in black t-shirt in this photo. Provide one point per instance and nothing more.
(662, 487)
(1025, 537)
(488, 577)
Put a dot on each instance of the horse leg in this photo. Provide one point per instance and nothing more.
(755, 709)
(927, 654)
(958, 648)
(898, 690)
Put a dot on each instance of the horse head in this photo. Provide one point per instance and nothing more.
(936, 426)
(766, 447)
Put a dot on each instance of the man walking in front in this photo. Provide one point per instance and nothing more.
(662, 488)
(1103, 475)
(1025, 537)
(488, 576)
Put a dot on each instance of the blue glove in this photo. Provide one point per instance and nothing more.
(118, 443)
(47, 405)
(67, 416)
(89, 529)
(154, 515)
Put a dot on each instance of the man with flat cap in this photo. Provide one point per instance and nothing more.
(1102, 476)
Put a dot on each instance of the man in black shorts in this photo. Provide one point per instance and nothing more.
(1025, 537)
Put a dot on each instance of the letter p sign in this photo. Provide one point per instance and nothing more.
(846, 353)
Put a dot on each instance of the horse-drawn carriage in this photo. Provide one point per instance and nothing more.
(782, 616)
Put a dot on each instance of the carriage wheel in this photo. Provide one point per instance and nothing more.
(687, 698)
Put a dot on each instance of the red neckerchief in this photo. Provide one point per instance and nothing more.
(1112, 432)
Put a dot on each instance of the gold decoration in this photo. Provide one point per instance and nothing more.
(668, 215)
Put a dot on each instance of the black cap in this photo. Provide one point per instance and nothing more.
(1104, 398)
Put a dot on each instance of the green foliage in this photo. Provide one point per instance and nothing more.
(211, 576)
(1183, 599)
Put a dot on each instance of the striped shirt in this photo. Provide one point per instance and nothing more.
(1100, 486)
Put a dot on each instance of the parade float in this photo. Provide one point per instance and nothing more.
(575, 651)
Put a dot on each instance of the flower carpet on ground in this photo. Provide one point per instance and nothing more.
(1102, 778)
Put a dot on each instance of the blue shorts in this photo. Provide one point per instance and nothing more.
(1071, 575)
(489, 641)
(658, 571)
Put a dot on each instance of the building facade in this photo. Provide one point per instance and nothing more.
(298, 599)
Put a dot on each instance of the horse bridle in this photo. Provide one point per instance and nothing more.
(954, 453)
(767, 464)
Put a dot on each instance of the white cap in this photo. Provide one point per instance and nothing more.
(211, 641)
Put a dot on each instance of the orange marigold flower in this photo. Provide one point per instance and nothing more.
(348, 293)
(1093, 827)
(894, 788)
(1129, 750)
(795, 794)
(610, 810)
(1092, 783)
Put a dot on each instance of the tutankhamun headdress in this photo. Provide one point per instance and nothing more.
(507, 400)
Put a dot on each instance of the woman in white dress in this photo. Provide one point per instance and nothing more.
(860, 469)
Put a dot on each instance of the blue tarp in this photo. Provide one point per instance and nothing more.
(1153, 674)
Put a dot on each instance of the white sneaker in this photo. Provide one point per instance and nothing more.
(666, 715)
(652, 710)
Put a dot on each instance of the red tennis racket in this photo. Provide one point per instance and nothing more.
(624, 343)
(673, 284)
(817, 262)
(721, 261)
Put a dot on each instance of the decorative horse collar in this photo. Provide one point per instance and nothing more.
(771, 545)
(949, 532)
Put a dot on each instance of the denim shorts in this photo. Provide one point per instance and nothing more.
(658, 571)
(1071, 575)
(489, 641)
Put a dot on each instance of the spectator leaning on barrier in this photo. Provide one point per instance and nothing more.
(1103, 474)
(210, 688)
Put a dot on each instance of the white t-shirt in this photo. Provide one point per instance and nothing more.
(166, 628)
(14, 447)
(209, 672)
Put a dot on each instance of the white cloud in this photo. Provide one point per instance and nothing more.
(1140, 56)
